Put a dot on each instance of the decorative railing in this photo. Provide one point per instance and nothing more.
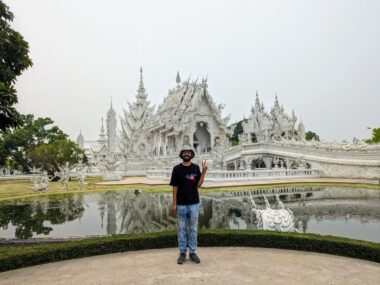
(242, 175)
(308, 152)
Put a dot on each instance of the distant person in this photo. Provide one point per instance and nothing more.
(186, 179)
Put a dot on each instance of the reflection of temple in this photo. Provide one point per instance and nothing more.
(127, 212)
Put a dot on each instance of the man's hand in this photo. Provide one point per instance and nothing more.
(174, 208)
(204, 166)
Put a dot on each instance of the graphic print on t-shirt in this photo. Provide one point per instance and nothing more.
(191, 177)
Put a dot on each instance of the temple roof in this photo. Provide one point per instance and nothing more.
(180, 106)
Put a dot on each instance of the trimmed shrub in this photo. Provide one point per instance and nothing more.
(12, 257)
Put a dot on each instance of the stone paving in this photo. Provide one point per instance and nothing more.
(227, 265)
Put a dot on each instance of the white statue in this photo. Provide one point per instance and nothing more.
(64, 176)
(40, 182)
(281, 219)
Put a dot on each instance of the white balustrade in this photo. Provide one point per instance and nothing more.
(242, 175)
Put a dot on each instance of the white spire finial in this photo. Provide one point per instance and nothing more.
(178, 78)
(276, 100)
(141, 90)
(141, 75)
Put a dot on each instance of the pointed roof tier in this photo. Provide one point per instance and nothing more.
(111, 111)
(102, 135)
(137, 116)
(141, 92)
(180, 106)
(178, 79)
(80, 140)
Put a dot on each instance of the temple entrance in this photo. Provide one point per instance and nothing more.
(171, 147)
(253, 138)
(258, 164)
(202, 138)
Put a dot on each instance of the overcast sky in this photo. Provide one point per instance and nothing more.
(321, 57)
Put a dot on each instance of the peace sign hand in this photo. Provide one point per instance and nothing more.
(204, 166)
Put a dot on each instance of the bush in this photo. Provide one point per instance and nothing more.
(12, 257)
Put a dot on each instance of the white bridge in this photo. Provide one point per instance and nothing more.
(282, 159)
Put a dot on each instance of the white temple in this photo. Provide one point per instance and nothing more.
(276, 125)
(272, 143)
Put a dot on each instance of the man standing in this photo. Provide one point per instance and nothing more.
(186, 179)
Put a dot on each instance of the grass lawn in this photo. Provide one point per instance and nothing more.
(11, 189)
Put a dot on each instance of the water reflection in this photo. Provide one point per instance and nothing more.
(339, 211)
(28, 219)
(135, 213)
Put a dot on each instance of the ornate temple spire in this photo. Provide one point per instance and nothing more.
(178, 79)
(111, 110)
(301, 130)
(80, 140)
(102, 136)
(141, 95)
(294, 118)
(276, 106)
(204, 82)
(257, 102)
(111, 129)
(102, 128)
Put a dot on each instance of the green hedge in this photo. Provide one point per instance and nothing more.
(12, 257)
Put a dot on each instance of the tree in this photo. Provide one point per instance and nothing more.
(17, 144)
(51, 156)
(311, 135)
(14, 59)
(375, 136)
(238, 129)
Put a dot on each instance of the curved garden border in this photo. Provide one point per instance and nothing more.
(13, 257)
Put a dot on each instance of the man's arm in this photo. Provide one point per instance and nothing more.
(174, 183)
(174, 205)
(204, 170)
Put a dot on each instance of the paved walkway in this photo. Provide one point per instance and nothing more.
(228, 265)
(207, 184)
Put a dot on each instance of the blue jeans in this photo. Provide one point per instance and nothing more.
(187, 217)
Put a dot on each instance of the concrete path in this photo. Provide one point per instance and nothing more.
(208, 184)
(227, 265)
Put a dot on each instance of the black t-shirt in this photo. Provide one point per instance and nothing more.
(186, 179)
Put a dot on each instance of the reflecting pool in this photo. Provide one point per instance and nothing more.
(347, 212)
